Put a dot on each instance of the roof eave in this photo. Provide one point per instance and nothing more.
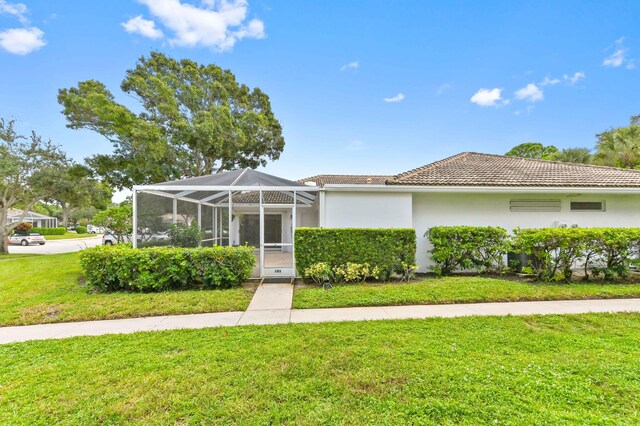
(484, 189)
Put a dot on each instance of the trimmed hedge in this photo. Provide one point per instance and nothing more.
(50, 231)
(387, 249)
(81, 229)
(123, 268)
(553, 254)
(467, 247)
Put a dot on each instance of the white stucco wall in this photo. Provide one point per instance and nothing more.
(366, 210)
(370, 209)
(433, 209)
(308, 216)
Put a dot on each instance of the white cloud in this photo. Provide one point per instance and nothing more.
(619, 56)
(487, 97)
(530, 92)
(143, 27)
(21, 41)
(397, 98)
(19, 10)
(443, 88)
(549, 81)
(356, 145)
(350, 66)
(217, 24)
(573, 79)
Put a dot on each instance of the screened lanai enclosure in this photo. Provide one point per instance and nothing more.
(240, 207)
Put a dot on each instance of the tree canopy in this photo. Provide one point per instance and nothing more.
(75, 188)
(118, 219)
(620, 147)
(195, 120)
(574, 155)
(28, 167)
(539, 151)
(533, 150)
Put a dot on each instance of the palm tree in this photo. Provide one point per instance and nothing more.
(619, 147)
(574, 155)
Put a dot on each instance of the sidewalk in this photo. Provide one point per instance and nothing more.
(287, 315)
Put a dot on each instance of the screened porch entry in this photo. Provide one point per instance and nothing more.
(240, 207)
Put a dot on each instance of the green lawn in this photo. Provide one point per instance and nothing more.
(572, 369)
(68, 235)
(454, 290)
(10, 256)
(41, 289)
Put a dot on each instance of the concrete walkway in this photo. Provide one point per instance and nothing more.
(287, 315)
(271, 304)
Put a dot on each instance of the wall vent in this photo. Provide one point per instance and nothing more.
(535, 205)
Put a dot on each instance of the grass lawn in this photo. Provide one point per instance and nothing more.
(454, 290)
(68, 235)
(572, 369)
(10, 256)
(41, 289)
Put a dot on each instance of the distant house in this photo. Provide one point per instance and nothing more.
(36, 219)
(249, 207)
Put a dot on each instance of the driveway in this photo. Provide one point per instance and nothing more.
(58, 246)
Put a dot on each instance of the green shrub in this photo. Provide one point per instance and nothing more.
(50, 231)
(467, 247)
(355, 272)
(385, 249)
(552, 252)
(81, 229)
(122, 268)
(182, 235)
(319, 273)
(611, 251)
(555, 252)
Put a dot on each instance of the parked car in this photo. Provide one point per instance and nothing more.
(27, 238)
(92, 229)
(160, 236)
(109, 239)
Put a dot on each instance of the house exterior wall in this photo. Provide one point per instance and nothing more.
(422, 210)
(367, 210)
(483, 209)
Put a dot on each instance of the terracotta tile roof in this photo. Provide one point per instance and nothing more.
(476, 169)
(322, 180)
(268, 197)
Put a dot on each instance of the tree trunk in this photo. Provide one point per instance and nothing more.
(4, 230)
(4, 247)
(66, 211)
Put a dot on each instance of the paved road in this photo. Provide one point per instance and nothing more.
(58, 246)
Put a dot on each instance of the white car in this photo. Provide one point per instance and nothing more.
(108, 239)
(92, 229)
(27, 238)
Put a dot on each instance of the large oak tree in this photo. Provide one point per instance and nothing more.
(74, 188)
(28, 169)
(194, 120)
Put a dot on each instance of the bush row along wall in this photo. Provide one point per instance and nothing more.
(386, 249)
(123, 268)
(550, 253)
(50, 231)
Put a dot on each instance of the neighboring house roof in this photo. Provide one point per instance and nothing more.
(322, 180)
(16, 213)
(476, 169)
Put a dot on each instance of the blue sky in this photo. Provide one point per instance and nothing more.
(359, 86)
